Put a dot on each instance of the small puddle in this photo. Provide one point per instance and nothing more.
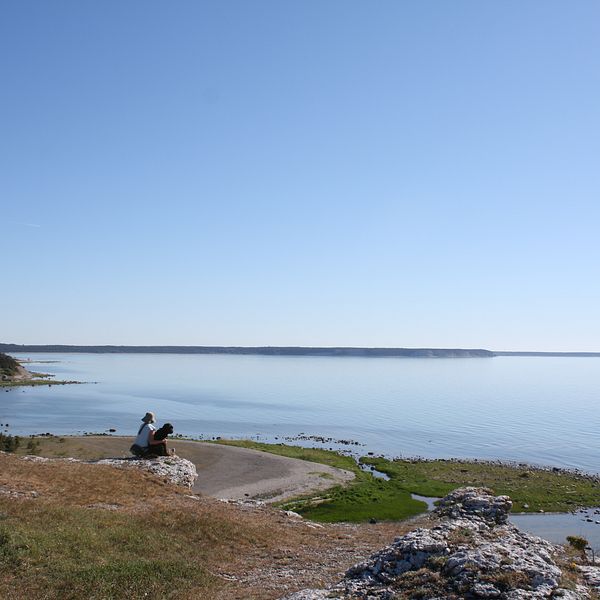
(373, 471)
(429, 501)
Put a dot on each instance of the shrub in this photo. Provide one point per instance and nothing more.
(9, 443)
(577, 543)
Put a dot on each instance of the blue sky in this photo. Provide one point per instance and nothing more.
(301, 173)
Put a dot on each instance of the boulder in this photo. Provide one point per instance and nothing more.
(471, 552)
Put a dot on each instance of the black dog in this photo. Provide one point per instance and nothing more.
(163, 432)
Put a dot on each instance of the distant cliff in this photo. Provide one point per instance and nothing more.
(260, 350)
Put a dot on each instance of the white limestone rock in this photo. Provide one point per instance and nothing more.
(473, 553)
(173, 468)
(309, 595)
(177, 470)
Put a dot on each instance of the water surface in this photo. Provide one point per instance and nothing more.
(555, 527)
(533, 409)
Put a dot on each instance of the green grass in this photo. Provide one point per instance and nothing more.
(80, 553)
(361, 500)
(324, 457)
(538, 489)
(368, 498)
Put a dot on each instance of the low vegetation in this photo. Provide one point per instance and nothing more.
(369, 498)
(531, 489)
(14, 443)
(9, 443)
(8, 365)
(365, 499)
(72, 530)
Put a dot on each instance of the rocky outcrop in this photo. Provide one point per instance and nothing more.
(176, 470)
(471, 552)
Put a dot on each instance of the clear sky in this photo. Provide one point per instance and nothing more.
(253, 172)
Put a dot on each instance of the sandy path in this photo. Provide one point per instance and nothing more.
(223, 471)
(234, 473)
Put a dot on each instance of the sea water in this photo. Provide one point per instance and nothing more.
(542, 410)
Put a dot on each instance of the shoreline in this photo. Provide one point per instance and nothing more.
(14, 374)
(37, 381)
(309, 480)
(356, 455)
(351, 448)
(224, 472)
(250, 476)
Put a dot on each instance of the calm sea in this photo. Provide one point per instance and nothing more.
(530, 409)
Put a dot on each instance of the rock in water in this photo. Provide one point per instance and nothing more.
(472, 552)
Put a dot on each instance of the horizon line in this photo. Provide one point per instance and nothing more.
(79, 347)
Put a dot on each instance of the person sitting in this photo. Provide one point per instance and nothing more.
(145, 445)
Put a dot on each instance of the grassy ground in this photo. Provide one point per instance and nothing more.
(92, 531)
(58, 546)
(87, 447)
(364, 499)
(531, 490)
(100, 551)
(371, 498)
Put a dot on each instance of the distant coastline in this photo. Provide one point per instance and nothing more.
(257, 350)
(287, 351)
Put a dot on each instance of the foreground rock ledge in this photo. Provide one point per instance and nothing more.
(471, 553)
(176, 470)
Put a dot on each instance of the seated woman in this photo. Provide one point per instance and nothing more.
(145, 444)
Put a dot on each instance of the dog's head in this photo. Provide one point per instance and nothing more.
(168, 428)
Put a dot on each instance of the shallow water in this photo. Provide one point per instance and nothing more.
(531, 409)
(555, 527)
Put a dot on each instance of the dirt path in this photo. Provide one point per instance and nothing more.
(223, 471)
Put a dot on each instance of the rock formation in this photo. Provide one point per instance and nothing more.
(470, 552)
(176, 470)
